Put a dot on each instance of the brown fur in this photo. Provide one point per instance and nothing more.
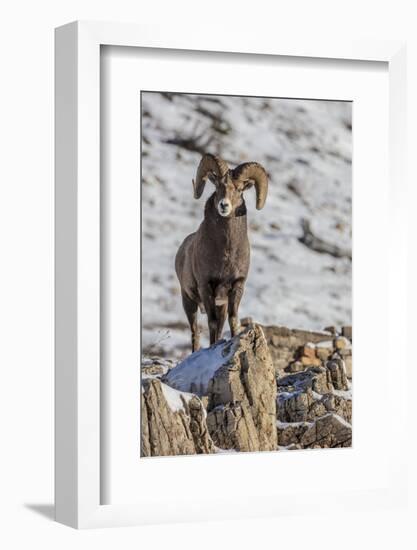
(212, 264)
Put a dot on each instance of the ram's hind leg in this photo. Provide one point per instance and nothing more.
(190, 308)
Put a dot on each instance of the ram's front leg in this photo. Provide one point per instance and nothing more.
(235, 296)
(210, 307)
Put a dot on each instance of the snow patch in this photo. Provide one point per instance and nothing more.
(175, 398)
(340, 419)
(194, 373)
(346, 394)
(284, 425)
(325, 344)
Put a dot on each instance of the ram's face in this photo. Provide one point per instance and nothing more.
(228, 196)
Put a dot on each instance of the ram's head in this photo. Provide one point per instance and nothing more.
(230, 184)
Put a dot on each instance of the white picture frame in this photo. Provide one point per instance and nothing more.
(78, 426)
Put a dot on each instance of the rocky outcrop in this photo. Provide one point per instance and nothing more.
(145, 443)
(172, 423)
(315, 402)
(303, 406)
(342, 406)
(232, 427)
(242, 397)
(284, 343)
(233, 397)
(336, 368)
(299, 406)
(290, 434)
(293, 350)
(327, 431)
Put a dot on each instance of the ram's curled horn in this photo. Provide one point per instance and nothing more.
(208, 164)
(255, 172)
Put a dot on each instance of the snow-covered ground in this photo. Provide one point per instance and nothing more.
(195, 372)
(305, 146)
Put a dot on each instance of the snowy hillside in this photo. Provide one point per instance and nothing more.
(305, 146)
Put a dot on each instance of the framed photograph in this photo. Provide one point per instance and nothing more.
(227, 274)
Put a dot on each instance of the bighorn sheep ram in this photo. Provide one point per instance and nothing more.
(212, 264)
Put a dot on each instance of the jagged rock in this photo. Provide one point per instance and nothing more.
(347, 332)
(338, 405)
(328, 431)
(155, 366)
(346, 355)
(293, 338)
(198, 426)
(341, 343)
(316, 378)
(296, 366)
(228, 396)
(232, 427)
(145, 445)
(308, 356)
(321, 381)
(284, 344)
(152, 370)
(294, 407)
(307, 395)
(337, 371)
(204, 400)
(348, 366)
(242, 396)
(310, 361)
(309, 351)
(173, 423)
(291, 433)
(323, 353)
(299, 406)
